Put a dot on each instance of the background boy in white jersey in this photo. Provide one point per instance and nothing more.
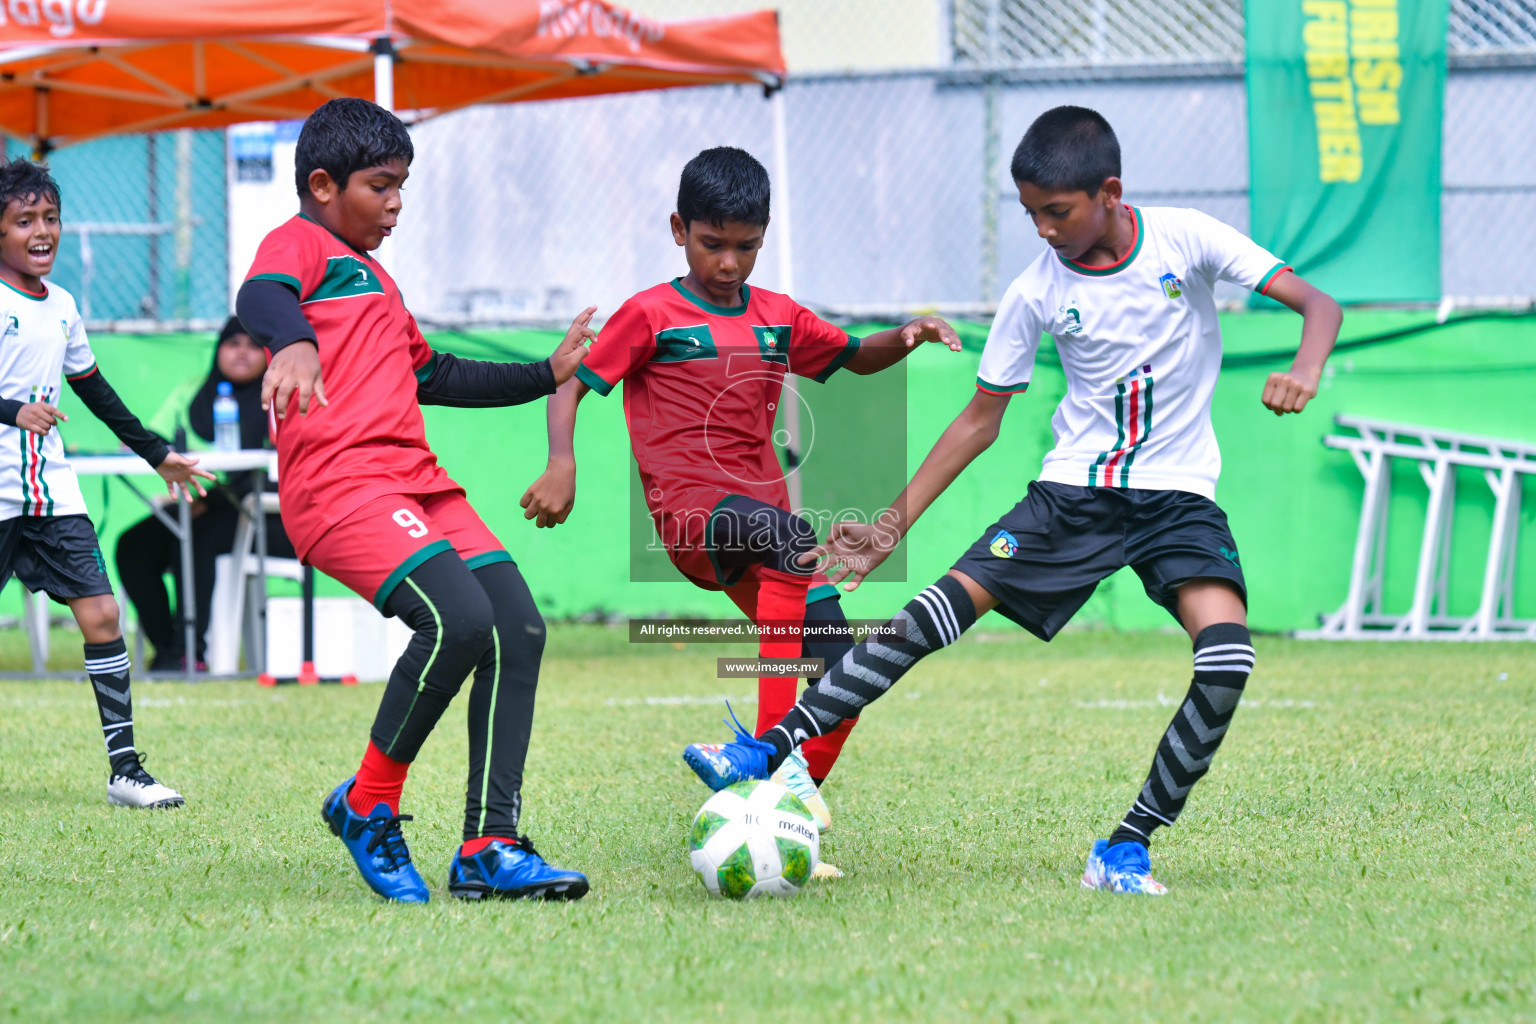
(46, 539)
(1127, 295)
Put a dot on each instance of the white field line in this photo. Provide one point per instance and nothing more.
(150, 702)
(662, 702)
(1164, 701)
(716, 700)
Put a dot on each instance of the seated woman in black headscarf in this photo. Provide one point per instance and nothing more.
(147, 550)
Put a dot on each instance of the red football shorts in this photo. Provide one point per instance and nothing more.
(373, 549)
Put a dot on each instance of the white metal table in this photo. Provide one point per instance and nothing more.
(261, 461)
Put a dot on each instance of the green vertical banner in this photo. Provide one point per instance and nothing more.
(1344, 107)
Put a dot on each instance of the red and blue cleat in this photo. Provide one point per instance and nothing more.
(377, 846)
(1124, 868)
(719, 765)
(513, 871)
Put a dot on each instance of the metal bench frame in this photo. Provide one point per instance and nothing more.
(1438, 453)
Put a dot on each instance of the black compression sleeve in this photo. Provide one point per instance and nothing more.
(9, 408)
(475, 384)
(270, 312)
(104, 404)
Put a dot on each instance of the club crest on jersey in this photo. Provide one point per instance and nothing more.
(12, 326)
(1172, 286)
(1004, 544)
(1072, 320)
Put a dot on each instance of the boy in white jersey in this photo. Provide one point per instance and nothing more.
(1127, 295)
(46, 538)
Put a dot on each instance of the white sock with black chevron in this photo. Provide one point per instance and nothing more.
(1223, 661)
(108, 665)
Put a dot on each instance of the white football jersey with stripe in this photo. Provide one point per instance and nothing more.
(42, 341)
(1141, 347)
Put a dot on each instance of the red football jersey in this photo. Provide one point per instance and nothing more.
(370, 441)
(702, 389)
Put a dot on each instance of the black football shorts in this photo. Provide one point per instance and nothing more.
(56, 555)
(1043, 559)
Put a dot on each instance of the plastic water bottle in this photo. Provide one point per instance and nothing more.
(226, 419)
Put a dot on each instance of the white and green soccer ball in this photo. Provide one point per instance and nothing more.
(754, 838)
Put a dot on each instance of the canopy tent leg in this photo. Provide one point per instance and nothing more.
(384, 96)
(384, 73)
(40, 144)
(786, 253)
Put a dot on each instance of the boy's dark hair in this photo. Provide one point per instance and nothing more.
(723, 184)
(24, 180)
(347, 135)
(1068, 149)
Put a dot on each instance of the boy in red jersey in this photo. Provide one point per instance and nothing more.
(704, 359)
(365, 501)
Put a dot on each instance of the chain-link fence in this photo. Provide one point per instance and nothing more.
(896, 181)
(144, 228)
(889, 150)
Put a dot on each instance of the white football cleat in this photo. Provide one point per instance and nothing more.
(825, 871)
(795, 775)
(135, 787)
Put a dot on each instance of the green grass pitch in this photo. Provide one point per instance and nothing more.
(1362, 851)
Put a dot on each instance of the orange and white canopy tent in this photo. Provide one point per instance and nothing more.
(72, 70)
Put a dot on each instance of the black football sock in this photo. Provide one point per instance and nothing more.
(933, 619)
(107, 664)
(451, 616)
(1223, 661)
(501, 705)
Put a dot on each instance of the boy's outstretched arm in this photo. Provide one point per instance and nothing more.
(180, 472)
(853, 550)
(1320, 320)
(885, 349)
(479, 384)
(550, 498)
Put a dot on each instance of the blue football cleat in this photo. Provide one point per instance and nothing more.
(377, 846)
(1124, 867)
(720, 765)
(512, 871)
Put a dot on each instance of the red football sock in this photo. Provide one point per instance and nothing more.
(379, 781)
(781, 605)
(474, 846)
(821, 751)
